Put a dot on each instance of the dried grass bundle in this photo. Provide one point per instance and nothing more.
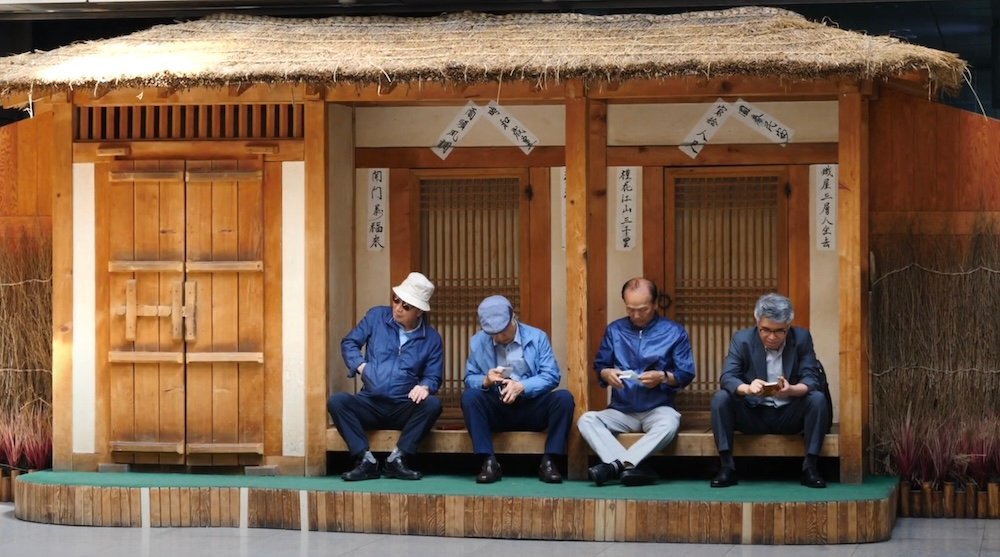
(25, 350)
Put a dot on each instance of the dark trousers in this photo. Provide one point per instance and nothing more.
(353, 414)
(485, 413)
(806, 415)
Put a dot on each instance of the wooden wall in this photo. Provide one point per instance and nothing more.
(25, 195)
(935, 169)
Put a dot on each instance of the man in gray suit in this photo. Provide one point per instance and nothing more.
(771, 383)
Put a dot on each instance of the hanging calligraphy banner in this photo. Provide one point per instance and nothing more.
(702, 132)
(455, 131)
(762, 122)
(626, 218)
(511, 127)
(825, 178)
(378, 208)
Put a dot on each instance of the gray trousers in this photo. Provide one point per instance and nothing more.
(599, 429)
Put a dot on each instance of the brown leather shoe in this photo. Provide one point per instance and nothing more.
(490, 472)
(548, 472)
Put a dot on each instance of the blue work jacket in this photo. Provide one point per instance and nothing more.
(661, 345)
(541, 374)
(391, 370)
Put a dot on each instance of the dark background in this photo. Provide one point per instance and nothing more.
(968, 28)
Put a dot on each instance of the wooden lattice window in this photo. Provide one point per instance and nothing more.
(188, 122)
(727, 251)
(470, 248)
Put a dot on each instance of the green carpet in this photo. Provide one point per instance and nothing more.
(664, 490)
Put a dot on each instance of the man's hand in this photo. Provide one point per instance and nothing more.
(610, 376)
(653, 378)
(418, 393)
(510, 391)
(754, 388)
(493, 377)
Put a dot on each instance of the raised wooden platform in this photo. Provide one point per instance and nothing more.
(515, 508)
(689, 442)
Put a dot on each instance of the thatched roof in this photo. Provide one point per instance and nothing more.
(472, 47)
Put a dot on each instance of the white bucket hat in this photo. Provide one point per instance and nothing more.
(415, 290)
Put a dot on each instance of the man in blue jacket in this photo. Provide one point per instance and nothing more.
(770, 383)
(646, 359)
(401, 369)
(510, 385)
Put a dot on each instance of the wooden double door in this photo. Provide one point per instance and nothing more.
(185, 261)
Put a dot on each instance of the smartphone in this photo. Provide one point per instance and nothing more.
(628, 374)
(770, 388)
(505, 371)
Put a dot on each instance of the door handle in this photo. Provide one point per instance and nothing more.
(190, 310)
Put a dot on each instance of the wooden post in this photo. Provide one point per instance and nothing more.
(852, 239)
(60, 178)
(316, 286)
(585, 254)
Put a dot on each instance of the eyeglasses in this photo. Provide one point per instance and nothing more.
(776, 332)
(396, 300)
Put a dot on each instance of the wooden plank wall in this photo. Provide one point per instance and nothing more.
(934, 168)
(25, 195)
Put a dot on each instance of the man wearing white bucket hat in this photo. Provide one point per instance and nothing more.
(401, 368)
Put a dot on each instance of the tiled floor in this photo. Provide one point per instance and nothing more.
(913, 537)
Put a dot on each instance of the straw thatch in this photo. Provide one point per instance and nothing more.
(472, 47)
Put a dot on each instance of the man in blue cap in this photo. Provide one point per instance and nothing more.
(510, 385)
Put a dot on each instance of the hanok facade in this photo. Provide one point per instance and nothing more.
(230, 195)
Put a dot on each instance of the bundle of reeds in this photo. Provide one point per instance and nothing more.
(935, 357)
(25, 352)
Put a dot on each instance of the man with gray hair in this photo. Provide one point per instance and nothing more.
(771, 383)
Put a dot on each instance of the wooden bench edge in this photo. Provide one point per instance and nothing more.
(687, 443)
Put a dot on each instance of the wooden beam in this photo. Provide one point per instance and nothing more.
(277, 150)
(700, 89)
(852, 241)
(934, 223)
(59, 174)
(316, 285)
(718, 155)
(460, 157)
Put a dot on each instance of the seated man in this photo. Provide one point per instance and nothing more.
(401, 369)
(770, 384)
(510, 383)
(646, 359)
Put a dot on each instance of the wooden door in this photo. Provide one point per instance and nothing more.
(726, 245)
(186, 291)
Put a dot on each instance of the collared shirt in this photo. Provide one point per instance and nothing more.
(774, 370)
(660, 345)
(511, 355)
(405, 335)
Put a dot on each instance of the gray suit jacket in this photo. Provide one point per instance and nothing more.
(747, 361)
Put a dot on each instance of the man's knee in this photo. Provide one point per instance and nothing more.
(338, 401)
(722, 399)
(562, 401)
(472, 397)
(588, 420)
(815, 401)
(431, 405)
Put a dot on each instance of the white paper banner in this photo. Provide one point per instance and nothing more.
(706, 127)
(626, 218)
(511, 127)
(378, 207)
(825, 178)
(455, 131)
(764, 123)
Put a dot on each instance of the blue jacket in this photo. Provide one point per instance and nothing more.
(747, 360)
(542, 374)
(661, 345)
(392, 371)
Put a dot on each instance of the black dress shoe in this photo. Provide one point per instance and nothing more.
(490, 472)
(548, 472)
(640, 475)
(601, 473)
(398, 469)
(811, 478)
(364, 470)
(725, 478)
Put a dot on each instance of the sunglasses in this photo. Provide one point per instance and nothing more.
(396, 300)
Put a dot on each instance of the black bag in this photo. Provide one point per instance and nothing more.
(824, 387)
